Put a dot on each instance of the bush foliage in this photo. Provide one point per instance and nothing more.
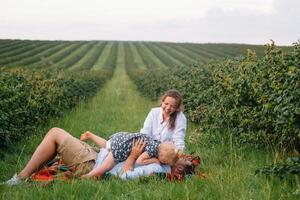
(257, 98)
(29, 98)
(289, 167)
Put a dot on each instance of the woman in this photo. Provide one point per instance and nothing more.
(167, 122)
(76, 154)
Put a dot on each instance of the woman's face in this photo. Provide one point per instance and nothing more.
(169, 105)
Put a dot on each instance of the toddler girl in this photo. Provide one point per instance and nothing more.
(120, 145)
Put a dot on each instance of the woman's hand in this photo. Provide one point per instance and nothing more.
(137, 148)
(86, 135)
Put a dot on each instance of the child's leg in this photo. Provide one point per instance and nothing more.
(95, 138)
(98, 140)
(107, 164)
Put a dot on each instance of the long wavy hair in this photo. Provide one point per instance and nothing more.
(179, 106)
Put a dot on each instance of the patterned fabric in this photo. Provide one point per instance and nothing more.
(186, 166)
(121, 144)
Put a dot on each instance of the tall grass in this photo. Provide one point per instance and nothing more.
(118, 107)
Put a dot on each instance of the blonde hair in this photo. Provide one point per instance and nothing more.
(168, 153)
(179, 106)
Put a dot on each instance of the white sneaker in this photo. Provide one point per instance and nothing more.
(15, 180)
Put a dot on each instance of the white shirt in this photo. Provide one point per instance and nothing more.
(136, 172)
(155, 126)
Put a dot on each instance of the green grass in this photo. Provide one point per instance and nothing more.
(100, 63)
(137, 59)
(119, 107)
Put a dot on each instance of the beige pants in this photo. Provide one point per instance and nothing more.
(78, 155)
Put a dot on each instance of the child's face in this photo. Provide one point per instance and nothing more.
(163, 157)
(167, 156)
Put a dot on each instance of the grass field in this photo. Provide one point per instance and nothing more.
(93, 54)
(119, 107)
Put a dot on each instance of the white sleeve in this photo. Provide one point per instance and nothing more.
(147, 128)
(179, 132)
(145, 170)
(138, 170)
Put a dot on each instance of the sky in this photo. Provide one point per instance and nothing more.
(197, 21)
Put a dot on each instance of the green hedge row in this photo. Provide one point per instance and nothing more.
(257, 99)
(29, 98)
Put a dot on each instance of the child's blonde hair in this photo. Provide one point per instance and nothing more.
(168, 153)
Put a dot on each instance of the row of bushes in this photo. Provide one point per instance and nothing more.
(29, 98)
(257, 99)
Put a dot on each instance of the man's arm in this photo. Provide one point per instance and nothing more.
(137, 149)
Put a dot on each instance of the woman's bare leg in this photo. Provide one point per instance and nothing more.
(46, 151)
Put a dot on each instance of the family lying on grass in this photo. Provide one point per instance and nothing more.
(128, 155)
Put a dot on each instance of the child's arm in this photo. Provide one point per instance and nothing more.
(144, 159)
(104, 167)
(98, 140)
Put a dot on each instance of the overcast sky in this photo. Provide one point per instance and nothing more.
(201, 21)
